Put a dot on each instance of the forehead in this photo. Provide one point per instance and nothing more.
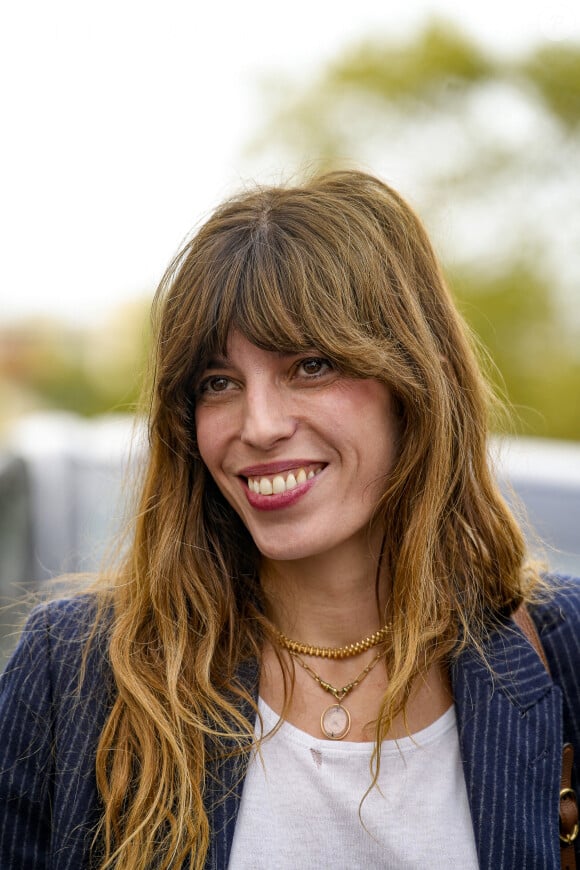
(240, 350)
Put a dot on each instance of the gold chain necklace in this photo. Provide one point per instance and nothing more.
(335, 652)
(335, 720)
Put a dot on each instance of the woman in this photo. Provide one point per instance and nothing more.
(307, 657)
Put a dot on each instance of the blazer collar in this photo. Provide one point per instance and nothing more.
(510, 734)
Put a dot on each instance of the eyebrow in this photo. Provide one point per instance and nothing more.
(217, 362)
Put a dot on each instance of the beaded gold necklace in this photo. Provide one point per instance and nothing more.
(335, 652)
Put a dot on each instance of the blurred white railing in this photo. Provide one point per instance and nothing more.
(71, 475)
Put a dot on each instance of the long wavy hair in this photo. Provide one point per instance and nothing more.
(340, 263)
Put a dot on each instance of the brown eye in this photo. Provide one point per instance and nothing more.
(215, 384)
(315, 366)
(219, 384)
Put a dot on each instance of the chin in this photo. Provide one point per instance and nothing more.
(282, 548)
(285, 550)
(285, 553)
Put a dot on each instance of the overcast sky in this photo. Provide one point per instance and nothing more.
(123, 122)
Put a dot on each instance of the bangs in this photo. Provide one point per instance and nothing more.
(283, 293)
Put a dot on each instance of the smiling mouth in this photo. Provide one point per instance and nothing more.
(275, 484)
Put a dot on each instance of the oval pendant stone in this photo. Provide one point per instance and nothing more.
(335, 722)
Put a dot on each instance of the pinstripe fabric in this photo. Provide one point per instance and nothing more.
(224, 788)
(48, 738)
(511, 737)
(511, 728)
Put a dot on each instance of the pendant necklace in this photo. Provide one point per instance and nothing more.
(335, 720)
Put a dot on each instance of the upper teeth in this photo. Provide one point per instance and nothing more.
(281, 482)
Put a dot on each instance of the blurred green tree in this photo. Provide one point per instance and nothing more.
(488, 147)
(88, 370)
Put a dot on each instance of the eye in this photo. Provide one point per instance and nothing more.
(315, 366)
(215, 384)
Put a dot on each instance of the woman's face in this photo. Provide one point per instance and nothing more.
(299, 451)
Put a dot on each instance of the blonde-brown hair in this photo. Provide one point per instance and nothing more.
(340, 263)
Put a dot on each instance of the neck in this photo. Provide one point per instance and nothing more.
(325, 600)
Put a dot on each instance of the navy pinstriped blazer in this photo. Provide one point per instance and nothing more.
(511, 730)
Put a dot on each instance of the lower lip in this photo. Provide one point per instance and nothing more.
(279, 500)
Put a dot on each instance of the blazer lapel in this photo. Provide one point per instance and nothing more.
(510, 734)
(225, 782)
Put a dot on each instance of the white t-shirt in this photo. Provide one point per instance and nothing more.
(301, 804)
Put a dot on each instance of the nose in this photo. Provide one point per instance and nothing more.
(267, 417)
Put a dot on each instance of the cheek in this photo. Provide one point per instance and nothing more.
(206, 434)
(381, 437)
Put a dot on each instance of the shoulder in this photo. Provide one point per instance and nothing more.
(57, 686)
(509, 659)
(64, 620)
(557, 614)
(68, 617)
(57, 639)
